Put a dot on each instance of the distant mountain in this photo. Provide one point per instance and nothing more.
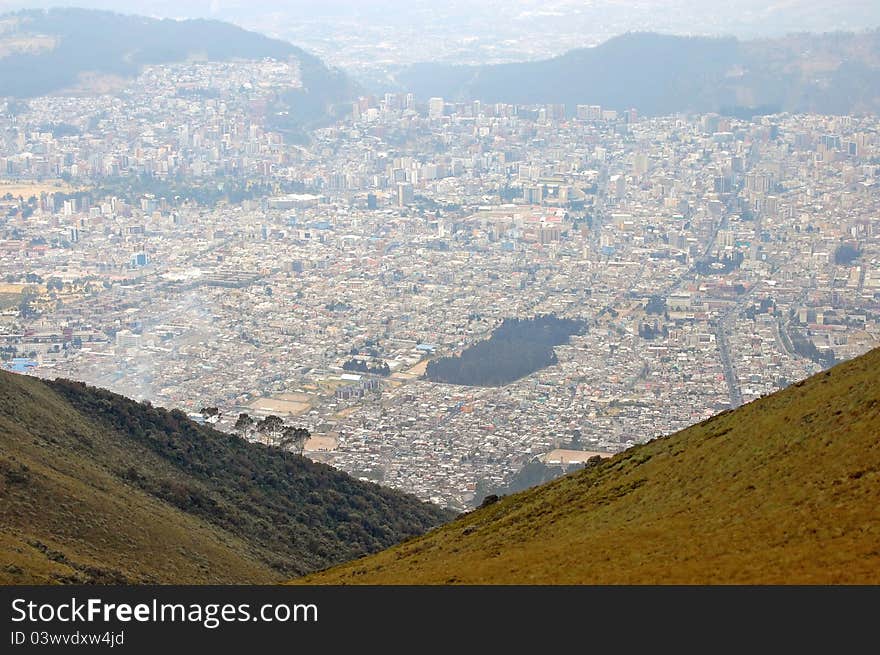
(43, 52)
(663, 74)
(785, 489)
(97, 488)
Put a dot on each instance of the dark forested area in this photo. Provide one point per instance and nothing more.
(516, 348)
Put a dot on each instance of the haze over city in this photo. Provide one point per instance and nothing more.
(368, 36)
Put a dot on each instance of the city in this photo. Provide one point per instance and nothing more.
(178, 248)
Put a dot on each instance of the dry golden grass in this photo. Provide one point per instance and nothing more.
(783, 490)
(34, 189)
(9, 300)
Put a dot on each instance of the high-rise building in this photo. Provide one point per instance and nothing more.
(709, 123)
(640, 164)
(405, 194)
(139, 259)
(392, 102)
(617, 186)
(533, 194)
(555, 112)
(436, 107)
(721, 184)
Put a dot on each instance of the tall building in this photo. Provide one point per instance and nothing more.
(405, 194)
(721, 184)
(139, 259)
(533, 194)
(436, 107)
(392, 102)
(640, 164)
(617, 186)
(710, 123)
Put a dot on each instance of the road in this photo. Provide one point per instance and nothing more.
(736, 398)
(722, 329)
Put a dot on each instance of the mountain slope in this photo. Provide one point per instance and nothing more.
(664, 74)
(785, 489)
(95, 487)
(43, 52)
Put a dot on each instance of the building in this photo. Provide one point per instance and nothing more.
(404, 194)
(436, 107)
(127, 339)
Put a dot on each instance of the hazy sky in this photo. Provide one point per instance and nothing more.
(357, 34)
(855, 12)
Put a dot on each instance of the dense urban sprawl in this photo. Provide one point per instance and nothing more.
(177, 248)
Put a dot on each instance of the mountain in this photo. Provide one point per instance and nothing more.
(44, 52)
(785, 489)
(95, 487)
(664, 74)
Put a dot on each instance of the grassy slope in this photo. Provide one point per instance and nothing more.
(71, 512)
(67, 519)
(783, 490)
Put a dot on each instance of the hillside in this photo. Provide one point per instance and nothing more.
(95, 487)
(664, 74)
(44, 52)
(785, 489)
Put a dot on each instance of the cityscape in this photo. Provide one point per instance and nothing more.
(713, 261)
(302, 296)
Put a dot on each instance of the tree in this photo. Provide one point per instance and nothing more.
(211, 414)
(244, 426)
(295, 439)
(28, 295)
(846, 254)
(271, 428)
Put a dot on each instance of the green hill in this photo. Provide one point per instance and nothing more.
(658, 74)
(44, 52)
(785, 489)
(95, 487)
